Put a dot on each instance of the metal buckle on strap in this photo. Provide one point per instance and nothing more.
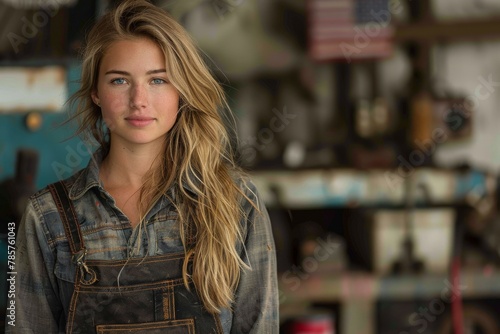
(79, 258)
(87, 275)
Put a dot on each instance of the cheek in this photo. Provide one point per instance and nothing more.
(115, 101)
(112, 106)
(108, 120)
(168, 105)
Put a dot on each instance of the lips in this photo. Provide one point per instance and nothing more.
(139, 121)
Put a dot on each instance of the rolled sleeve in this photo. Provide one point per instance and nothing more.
(256, 308)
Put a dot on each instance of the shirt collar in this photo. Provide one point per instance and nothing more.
(89, 178)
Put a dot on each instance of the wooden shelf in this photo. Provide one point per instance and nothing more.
(452, 31)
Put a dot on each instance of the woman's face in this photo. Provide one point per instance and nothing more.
(138, 103)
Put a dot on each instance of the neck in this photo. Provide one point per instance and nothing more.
(127, 166)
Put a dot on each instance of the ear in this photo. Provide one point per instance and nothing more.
(95, 97)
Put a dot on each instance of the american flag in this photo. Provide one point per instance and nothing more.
(349, 29)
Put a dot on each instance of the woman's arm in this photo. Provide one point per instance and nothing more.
(256, 308)
(37, 305)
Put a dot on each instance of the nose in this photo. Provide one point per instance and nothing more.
(138, 97)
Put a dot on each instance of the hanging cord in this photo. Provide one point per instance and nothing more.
(457, 304)
(137, 249)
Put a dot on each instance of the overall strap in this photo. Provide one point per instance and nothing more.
(68, 217)
(73, 232)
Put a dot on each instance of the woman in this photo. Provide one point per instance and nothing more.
(160, 233)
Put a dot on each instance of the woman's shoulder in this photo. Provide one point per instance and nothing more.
(251, 200)
(245, 184)
(43, 211)
(43, 200)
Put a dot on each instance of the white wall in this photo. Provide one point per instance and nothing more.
(459, 69)
(465, 69)
(453, 9)
(462, 69)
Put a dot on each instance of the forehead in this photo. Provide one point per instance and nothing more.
(139, 53)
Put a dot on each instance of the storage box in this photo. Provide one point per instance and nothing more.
(432, 232)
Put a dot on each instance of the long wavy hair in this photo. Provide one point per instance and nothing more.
(197, 151)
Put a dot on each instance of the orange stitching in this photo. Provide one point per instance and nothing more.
(152, 325)
(63, 217)
(132, 288)
(100, 250)
(192, 327)
(75, 220)
(218, 325)
(72, 311)
(172, 299)
(149, 259)
(166, 308)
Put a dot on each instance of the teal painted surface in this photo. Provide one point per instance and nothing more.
(60, 153)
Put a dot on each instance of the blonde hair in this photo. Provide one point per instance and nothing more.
(197, 153)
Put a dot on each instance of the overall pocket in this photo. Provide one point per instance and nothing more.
(182, 326)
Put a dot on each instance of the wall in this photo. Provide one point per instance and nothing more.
(461, 69)
(61, 154)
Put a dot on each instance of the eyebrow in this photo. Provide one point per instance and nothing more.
(161, 70)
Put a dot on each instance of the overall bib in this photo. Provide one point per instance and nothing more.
(150, 297)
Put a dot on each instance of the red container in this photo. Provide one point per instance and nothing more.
(314, 324)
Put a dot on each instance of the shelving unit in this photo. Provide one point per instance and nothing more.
(358, 292)
(375, 188)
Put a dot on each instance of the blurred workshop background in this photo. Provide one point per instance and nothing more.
(371, 128)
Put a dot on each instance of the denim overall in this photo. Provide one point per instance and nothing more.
(150, 296)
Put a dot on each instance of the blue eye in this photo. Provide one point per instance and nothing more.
(158, 81)
(118, 81)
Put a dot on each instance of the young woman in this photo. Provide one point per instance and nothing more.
(160, 233)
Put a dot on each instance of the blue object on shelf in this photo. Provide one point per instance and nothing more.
(61, 153)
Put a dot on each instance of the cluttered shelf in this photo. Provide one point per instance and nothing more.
(380, 211)
(304, 189)
(359, 295)
(348, 286)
